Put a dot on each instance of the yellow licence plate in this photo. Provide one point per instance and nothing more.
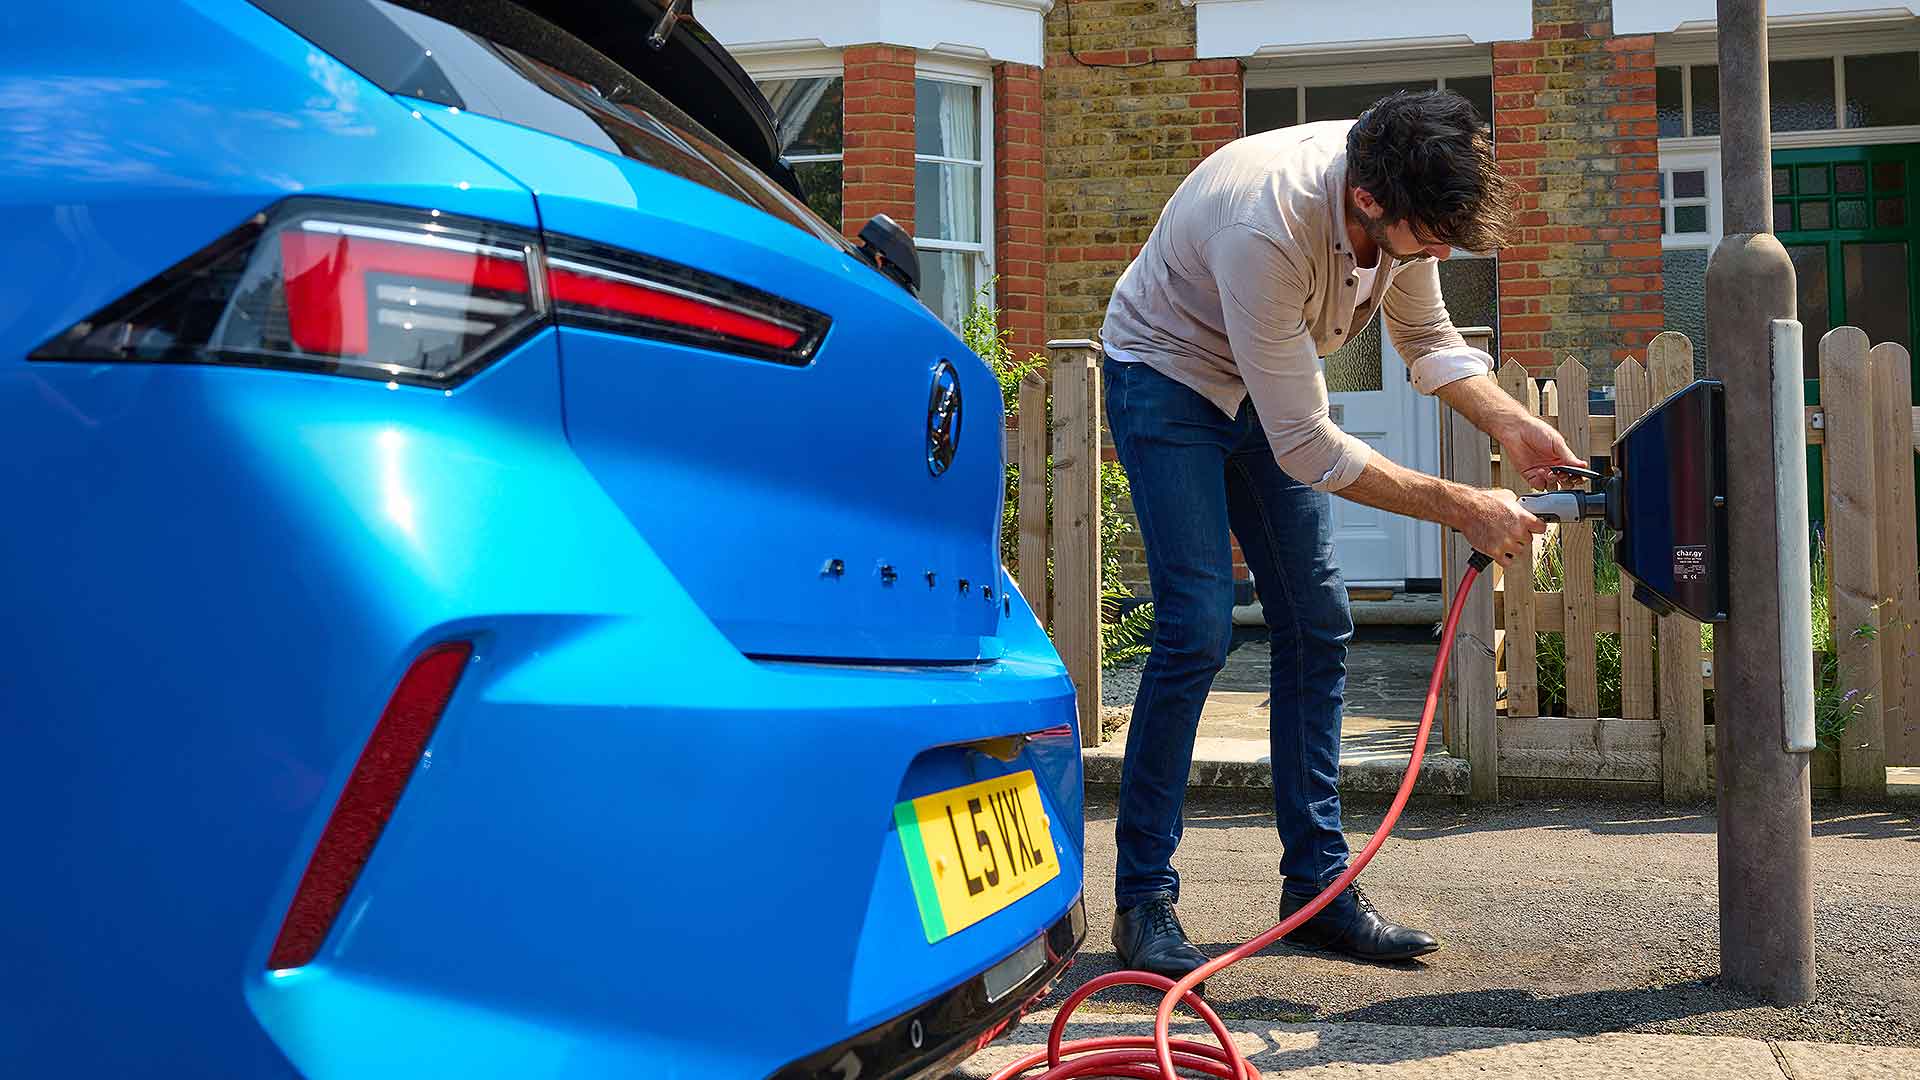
(973, 850)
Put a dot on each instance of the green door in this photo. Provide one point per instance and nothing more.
(1848, 219)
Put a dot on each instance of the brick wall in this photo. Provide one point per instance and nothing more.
(1573, 118)
(878, 119)
(1120, 139)
(1129, 112)
(1019, 197)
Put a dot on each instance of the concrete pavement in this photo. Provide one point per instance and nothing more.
(1386, 686)
(1351, 1050)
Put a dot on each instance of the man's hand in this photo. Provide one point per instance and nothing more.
(1534, 447)
(1494, 522)
(1525, 439)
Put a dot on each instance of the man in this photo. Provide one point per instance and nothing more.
(1273, 253)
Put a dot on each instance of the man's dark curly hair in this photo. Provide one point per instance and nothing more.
(1423, 157)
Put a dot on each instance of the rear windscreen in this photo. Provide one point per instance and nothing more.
(497, 59)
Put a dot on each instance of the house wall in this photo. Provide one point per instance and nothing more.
(1129, 112)
(1574, 124)
(1020, 202)
(878, 177)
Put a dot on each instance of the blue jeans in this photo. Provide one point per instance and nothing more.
(1195, 474)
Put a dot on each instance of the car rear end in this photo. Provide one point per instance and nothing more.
(507, 593)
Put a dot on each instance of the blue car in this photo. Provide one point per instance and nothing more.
(493, 585)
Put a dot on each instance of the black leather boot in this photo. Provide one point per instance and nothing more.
(1149, 937)
(1352, 925)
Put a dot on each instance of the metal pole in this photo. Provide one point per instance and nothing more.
(1760, 678)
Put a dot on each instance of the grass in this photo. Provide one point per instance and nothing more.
(1835, 704)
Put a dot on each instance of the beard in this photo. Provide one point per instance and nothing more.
(1376, 230)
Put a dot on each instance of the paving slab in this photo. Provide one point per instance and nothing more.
(1347, 1050)
(1386, 687)
(1838, 1061)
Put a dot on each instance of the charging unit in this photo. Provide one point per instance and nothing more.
(1667, 500)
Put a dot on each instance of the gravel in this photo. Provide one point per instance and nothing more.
(1554, 916)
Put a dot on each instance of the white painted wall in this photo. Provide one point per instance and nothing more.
(1286, 27)
(1010, 30)
(1665, 16)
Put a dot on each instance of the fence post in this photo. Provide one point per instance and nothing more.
(1846, 396)
(1523, 671)
(1899, 564)
(1683, 718)
(1076, 523)
(1033, 495)
(1467, 457)
(1576, 554)
(1632, 399)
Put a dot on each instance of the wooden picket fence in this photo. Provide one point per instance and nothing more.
(1867, 432)
(1070, 610)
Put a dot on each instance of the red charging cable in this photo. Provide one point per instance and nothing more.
(1138, 1058)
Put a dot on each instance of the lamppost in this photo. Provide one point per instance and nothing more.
(1763, 678)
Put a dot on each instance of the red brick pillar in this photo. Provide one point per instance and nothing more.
(1573, 121)
(1019, 210)
(1219, 105)
(878, 170)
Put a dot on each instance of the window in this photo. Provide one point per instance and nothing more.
(1689, 229)
(1823, 93)
(1285, 106)
(808, 115)
(950, 198)
(1684, 203)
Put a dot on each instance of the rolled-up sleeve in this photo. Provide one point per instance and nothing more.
(1416, 319)
(1263, 297)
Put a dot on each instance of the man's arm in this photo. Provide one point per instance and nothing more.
(1525, 439)
(1444, 366)
(1492, 520)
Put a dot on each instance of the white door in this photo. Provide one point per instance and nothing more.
(1371, 400)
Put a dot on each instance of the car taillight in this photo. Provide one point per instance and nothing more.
(373, 789)
(416, 296)
(399, 295)
(597, 286)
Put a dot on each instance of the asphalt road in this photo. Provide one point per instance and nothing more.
(1585, 917)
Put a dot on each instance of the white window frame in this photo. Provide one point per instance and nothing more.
(1472, 63)
(1690, 161)
(1833, 44)
(802, 64)
(937, 68)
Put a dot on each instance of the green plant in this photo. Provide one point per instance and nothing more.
(1550, 648)
(1123, 632)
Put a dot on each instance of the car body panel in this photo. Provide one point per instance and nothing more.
(217, 575)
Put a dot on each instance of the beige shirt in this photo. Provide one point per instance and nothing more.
(1248, 279)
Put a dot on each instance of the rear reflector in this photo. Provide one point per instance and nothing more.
(373, 789)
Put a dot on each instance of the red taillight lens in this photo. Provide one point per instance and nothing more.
(605, 294)
(373, 789)
(608, 289)
(386, 293)
(344, 282)
(416, 296)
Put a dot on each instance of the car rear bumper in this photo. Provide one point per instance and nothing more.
(928, 1041)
